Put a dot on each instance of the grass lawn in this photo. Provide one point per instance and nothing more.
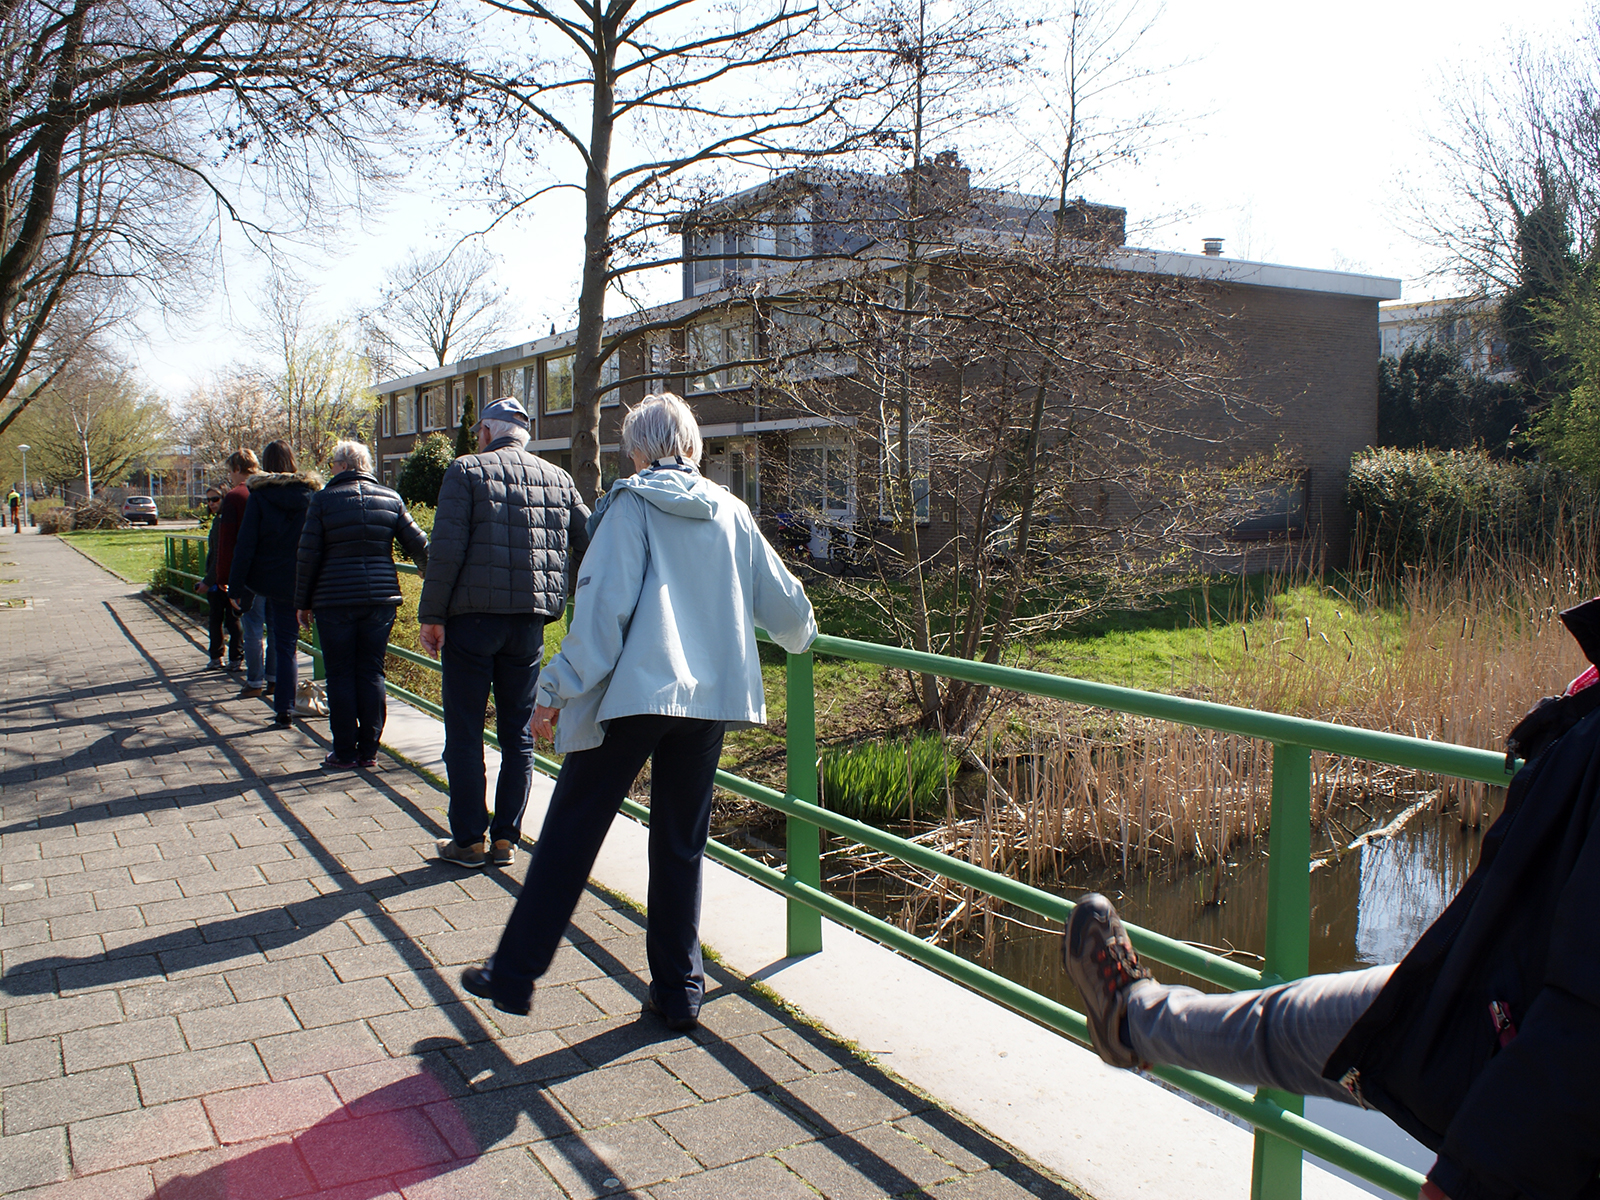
(133, 554)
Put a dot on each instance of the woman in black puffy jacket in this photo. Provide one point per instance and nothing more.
(264, 559)
(347, 579)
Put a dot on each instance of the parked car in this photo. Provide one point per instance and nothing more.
(140, 508)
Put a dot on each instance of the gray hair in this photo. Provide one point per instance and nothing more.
(353, 455)
(510, 429)
(661, 426)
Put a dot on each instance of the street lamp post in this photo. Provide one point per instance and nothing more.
(25, 448)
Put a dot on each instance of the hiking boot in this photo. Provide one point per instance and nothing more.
(251, 692)
(1101, 961)
(334, 763)
(506, 995)
(215, 664)
(283, 720)
(503, 853)
(462, 856)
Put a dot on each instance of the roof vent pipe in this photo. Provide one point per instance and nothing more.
(1213, 247)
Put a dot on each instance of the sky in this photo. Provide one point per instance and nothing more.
(1296, 135)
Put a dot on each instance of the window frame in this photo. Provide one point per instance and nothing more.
(921, 475)
(545, 370)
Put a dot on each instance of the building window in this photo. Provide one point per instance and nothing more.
(558, 384)
(529, 393)
(806, 342)
(610, 374)
(386, 417)
(889, 461)
(457, 402)
(719, 354)
(1278, 510)
(657, 364)
(392, 465)
(405, 414)
(821, 481)
(434, 414)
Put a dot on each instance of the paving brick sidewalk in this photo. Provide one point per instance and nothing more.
(225, 973)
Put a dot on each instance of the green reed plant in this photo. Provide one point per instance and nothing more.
(887, 780)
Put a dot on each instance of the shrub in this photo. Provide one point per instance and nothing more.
(885, 781)
(1417, 507)
(422, 514)
(423, 472)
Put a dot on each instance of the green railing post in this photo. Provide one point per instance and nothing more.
(1276, 1171)
(318, 671)
(803, 840)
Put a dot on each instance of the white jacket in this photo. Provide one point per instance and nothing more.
(676, 579)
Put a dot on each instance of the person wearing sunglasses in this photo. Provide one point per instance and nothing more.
(222, 615)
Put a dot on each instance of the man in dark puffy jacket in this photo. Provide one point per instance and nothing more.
(347, 580)
(507, 529)
(1483, 1043)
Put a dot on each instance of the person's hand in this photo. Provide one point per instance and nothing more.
(543, 725)
(431, 638)
(305, 616)
(235, 604)
(200, 587)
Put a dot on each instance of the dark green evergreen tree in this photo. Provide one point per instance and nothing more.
(1531, 314)
(1428, 400)
(423, 473)
(466, 440)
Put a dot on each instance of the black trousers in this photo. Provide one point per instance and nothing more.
(484, 650)
(683, 755)
(285, 645)
(223, 617)
(354, 640)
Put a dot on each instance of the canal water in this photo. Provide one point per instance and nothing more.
(1367, 908)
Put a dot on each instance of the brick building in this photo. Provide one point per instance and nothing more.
(1305, 343)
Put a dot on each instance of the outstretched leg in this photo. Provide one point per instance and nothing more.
(1278, 1037)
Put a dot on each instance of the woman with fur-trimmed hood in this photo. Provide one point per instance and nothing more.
(264, 558)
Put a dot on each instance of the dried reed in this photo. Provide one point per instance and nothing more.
(1452, 656)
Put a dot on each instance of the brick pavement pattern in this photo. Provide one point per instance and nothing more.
(226, 973)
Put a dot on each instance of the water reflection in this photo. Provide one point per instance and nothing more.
(1368, 907)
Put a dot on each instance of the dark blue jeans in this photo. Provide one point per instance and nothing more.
(354, 639)
(285, 636)
(484, 650)
(224, 618)
(683, 754)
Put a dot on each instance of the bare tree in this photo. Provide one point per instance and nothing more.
(1505, 147)
(233, 409)
(123, 121)
(319, 378)
(658, 109)
(1008, 345)
(437, 308)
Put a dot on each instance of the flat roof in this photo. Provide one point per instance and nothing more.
(1216, 269)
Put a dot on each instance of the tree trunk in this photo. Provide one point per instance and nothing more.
(596, 266)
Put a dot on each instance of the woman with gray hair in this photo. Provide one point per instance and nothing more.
(347, 581)
(659, 661)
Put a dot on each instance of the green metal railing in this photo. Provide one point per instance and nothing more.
(1282, 1131)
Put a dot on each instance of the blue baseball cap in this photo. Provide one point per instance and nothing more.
(506, 409)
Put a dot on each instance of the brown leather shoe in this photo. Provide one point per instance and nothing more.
(503, 853)
(463, 856)
(252, 693)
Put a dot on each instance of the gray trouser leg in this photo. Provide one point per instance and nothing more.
(1279, 1037)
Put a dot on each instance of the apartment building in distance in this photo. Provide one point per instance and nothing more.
(1305, 343)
